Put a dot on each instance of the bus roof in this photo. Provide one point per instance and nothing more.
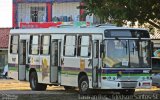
(69, 30)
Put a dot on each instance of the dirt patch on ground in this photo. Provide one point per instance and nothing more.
(18, 90)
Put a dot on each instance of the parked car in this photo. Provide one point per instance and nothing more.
(156, 79)
(4, 74)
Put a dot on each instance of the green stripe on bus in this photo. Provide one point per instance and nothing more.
(73, 73)
(13, 68)
(126, 74)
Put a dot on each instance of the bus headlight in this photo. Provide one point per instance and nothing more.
(143, 78)
(109, 78)
(146, 78)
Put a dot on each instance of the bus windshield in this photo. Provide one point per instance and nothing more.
(126, 53)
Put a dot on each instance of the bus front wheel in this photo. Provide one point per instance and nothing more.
(83, 85)
(34, 83)
(69, 88)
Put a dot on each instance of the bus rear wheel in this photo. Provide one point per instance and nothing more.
(34, 83)
(83, 85)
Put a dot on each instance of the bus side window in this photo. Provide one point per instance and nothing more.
(34, 44)
(45, 44)
(14, 44)
(70, 45)
(84, 46)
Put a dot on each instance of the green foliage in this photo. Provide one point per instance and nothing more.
(118, 11)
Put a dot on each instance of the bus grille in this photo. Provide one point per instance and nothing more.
(128, 84)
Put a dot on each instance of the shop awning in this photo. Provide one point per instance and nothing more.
(32, 1)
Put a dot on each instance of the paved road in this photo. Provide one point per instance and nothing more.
(16, 90)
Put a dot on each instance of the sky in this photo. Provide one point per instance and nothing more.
(5, 13)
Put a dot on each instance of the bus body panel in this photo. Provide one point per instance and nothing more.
(13, 66)
(42, 66)
(44, 69)
(25, 37)
(70, 70)
(72, 67)
(57, 36)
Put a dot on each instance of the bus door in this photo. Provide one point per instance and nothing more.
(55, 60)
(22, 59)
(96, 63)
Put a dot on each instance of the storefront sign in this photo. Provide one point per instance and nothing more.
(34, 1)
(52, 24)
(39, 24)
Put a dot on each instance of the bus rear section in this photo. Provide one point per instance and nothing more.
(34, 58)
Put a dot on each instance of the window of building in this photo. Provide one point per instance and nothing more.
(34, 44)
(38, 14)
(14, 44)
(70, 45)
(45, 45)
(84, 46)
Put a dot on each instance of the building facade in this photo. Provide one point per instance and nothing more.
(40, 14)
(47, 11)
(4, 33)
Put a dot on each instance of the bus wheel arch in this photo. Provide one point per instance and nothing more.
(33, 80)
(83, 83)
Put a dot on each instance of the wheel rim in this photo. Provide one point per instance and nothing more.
(33, 81)
(84, 86)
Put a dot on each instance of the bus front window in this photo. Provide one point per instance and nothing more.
(116, 53)
(126, 54)
(134, 51)
(140, 57)
(141, 54)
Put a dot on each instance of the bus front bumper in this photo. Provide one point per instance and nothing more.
(126, 84)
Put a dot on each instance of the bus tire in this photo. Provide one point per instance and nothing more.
(127, 91)
(43, 87)
(69, 88)
(35, 86)
(83, 85)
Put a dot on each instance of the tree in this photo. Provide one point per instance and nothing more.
(119, 11)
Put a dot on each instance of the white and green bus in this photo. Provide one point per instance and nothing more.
(103, 57)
